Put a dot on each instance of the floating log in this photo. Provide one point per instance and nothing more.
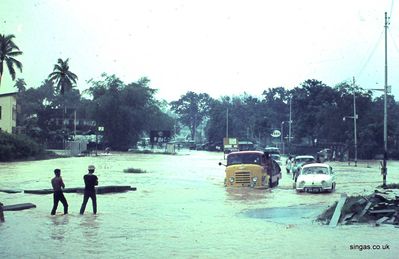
(43, 191)
(337, 212)
(10, 191)
(111, 189)
(21, 206)
(99, 190)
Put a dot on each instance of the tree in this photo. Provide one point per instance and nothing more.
(125, 111)
(191, 109)
(62, 77)
(20, 85)
(8, 51)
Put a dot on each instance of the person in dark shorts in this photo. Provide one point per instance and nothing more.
(91, 181)
(58, 195)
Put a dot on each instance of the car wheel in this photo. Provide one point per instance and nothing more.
(277, 182)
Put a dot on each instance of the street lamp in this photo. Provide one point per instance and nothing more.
(290, 126)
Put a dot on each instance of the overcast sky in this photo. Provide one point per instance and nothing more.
(221, 47)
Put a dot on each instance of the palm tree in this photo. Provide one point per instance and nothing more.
(8, 50)
(20, 84)
(64, 80)
(62, 76)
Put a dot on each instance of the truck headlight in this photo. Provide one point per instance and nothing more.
(301, 184)
(323, 183)
(231, 179)
(254, 179)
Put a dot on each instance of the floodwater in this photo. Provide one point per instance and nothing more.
(182, 209)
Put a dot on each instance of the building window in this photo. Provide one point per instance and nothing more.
(14, 112)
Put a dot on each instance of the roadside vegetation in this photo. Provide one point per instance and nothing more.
(127, 112)
(16, 147)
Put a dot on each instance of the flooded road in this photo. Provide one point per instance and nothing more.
(182, 209)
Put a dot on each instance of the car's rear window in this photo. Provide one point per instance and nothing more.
(315, 170)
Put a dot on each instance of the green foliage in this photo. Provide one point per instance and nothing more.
(317, 113)
(13, 147)
(191, 109)
(8, 51)
(62, 76)
(126, 111)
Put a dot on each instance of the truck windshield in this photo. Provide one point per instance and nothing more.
(234, 159)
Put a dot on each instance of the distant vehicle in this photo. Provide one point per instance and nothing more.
(325, 154)
(277, 158)
(272, 150)
(298, 162)
(316, 177)
(246, 145)
(251, 169)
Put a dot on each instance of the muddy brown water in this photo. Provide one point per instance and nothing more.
(182, 209)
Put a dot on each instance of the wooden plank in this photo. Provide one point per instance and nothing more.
(337, 212)
(368, 205)
(381, 220)
(382, 211)
(21, 206)
(347, 217)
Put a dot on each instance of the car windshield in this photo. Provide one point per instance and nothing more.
(315, 170)
(275, 156)
(234, 159)
(304, 160)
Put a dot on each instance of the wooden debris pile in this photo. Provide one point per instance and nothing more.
(381, 207)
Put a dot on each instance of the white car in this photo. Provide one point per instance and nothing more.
(298, 162)
(316, 177)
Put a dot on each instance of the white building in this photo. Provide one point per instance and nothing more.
(8, 112)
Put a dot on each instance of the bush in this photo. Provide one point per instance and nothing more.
(14, 147)
(134, 171)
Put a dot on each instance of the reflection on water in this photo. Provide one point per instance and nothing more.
(292, 214)
(59, 226)
(246, 194)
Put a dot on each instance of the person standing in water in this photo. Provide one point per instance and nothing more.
(91, 181)
(58, 185)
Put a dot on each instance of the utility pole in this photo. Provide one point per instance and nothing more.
(354, 120)
(289, 127)
(227, 123)
(384, 169)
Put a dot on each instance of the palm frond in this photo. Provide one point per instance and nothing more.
(10, 66)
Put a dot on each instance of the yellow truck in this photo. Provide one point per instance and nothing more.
(251, 169)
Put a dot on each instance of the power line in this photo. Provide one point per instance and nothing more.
(390, 13)
(393, 41)
(371, 54)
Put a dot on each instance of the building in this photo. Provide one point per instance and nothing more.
(8, 112)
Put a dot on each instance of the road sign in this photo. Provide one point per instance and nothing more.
(276, 134)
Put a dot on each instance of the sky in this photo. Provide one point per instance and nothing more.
(219, 47)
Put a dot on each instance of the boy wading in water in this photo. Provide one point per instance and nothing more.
(91, 180)
(58, 195)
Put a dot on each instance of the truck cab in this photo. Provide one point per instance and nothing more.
(251, 169)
